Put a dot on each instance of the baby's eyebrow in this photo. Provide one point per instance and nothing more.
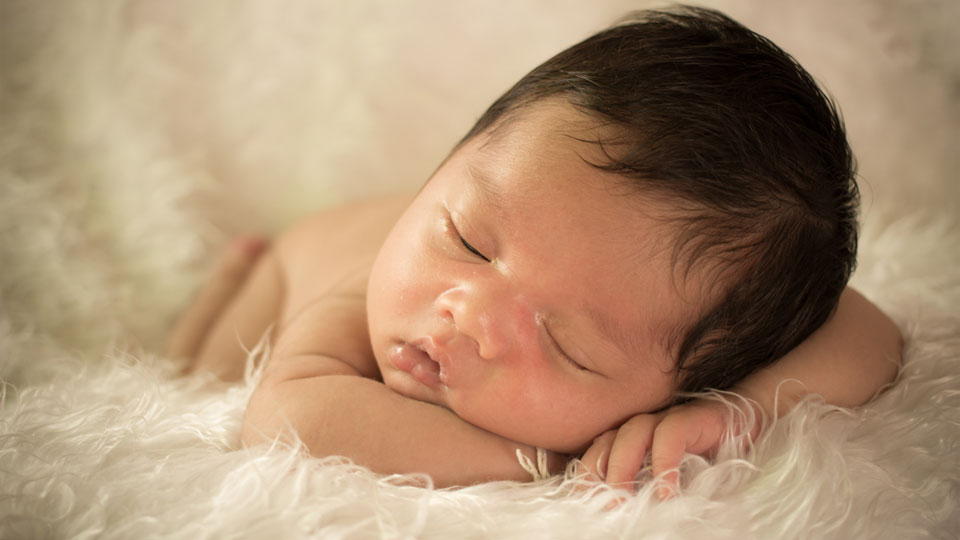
(489, 192)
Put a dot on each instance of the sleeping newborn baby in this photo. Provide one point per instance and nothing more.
(666, 207)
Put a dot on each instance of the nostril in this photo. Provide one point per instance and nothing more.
(453, 308)
(470, 320)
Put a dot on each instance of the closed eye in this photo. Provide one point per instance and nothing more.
(563, 354)
(452, 227)
(472, 249)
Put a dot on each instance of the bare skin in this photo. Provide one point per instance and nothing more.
(293, 286)
(230, 284)
(206, 333)
(423, 336)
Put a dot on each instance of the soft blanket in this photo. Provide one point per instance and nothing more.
(136, 137)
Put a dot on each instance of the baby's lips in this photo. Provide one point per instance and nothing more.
(432, 367)
(411, 359)
(432, 348)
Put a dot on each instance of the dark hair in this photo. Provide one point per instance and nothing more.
(735, 132)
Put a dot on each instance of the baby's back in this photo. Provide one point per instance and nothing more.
(331, 252)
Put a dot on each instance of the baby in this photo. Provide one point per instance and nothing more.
(666, 207)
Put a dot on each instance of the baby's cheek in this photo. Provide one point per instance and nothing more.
(534, 395)
(407, 293)
(550, 419)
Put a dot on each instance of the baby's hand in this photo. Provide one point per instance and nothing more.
(617, 456)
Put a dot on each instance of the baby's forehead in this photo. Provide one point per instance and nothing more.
(596, 142)
(551, 132)
(552, 118)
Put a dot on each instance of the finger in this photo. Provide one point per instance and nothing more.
(594, 463)
(694, 430)
(227, 278)
(670, 442)
(629, 449)
(595, 459)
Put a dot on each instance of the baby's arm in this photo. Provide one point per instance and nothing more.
(318, 384)
(847, 361)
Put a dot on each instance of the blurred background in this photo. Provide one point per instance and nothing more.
(136, 136)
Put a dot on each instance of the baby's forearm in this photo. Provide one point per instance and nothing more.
(852, 356)
(374, 426)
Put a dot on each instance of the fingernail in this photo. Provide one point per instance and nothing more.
(615, 503)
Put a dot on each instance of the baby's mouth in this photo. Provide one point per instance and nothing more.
(431, 364)
(416, 359)
(433, 356)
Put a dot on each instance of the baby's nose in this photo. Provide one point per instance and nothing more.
(492, 319)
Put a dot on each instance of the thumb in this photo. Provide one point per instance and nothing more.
(691, 428)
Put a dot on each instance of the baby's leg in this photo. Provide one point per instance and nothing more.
(232, 311)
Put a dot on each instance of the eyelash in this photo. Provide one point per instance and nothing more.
(562, 353)
(463, 241)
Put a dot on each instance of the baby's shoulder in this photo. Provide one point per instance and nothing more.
(334, 248)
(346, 224)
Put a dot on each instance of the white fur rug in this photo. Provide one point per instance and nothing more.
(137, 136)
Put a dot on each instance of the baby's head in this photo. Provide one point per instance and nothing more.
(664, 207)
